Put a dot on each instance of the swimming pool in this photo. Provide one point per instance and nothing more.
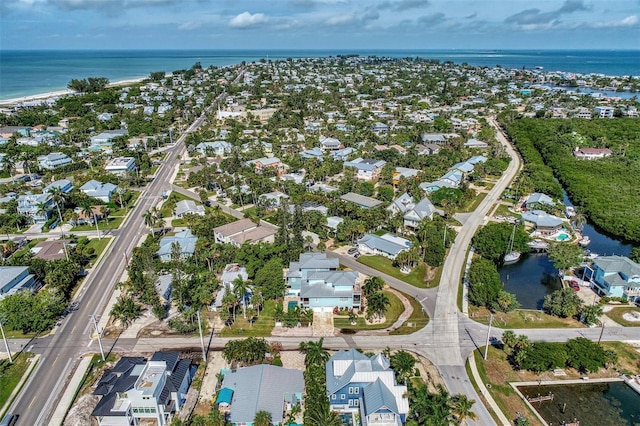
(563, 236)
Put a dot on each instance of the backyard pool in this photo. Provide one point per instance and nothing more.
(563, 236)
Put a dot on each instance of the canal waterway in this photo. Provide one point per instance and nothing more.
(534, 276)
(592, 404)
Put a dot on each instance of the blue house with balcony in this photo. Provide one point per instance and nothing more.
(614, 276)
(366, 385)
(320, 285)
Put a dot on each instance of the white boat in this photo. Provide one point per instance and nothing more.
(584, 241)
(512, 256)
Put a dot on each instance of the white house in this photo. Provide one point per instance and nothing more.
(53, 160)
(366, 169)
(185, 207)
(216, 148)
(121, 165)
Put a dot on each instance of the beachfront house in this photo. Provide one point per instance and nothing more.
(614, 276)
(365, 386)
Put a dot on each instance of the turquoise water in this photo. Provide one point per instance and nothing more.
(24, 73)
(562, 237)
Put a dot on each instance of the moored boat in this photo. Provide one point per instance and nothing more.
(584, 241)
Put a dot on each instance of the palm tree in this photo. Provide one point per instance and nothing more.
(57, 197)
(230, 301)
(403, 363)
(321, 415)
(579, 220)
(314, 354)
(240, 290)
(150, 219)
(372, 285)
(262, 418)
(461, 408)
(377, 303)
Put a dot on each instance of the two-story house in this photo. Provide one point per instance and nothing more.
(320, 285)
(614, 276)
(99, 190)
(366, 385)
(136, 390)
(185, 241)
(366, 169)
(216, 148)
(37, 206)
(53, 160)
(121, 165)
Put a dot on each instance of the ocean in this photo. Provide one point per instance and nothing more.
(25, 73)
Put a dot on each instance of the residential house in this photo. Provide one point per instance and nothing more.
(105, 139)
(185, 241)
(364, 385)
(320, 285)
(323, 187)
(342, 154)
(537, 199)
(424, 209)
(313, 153)
(438, 184)
(267, 163)
(475, 143)
(270, 388)
(37, 206)
(98, 190)
(272, 200)
(121, 165)
(136, 390)
(592, 153)
(387, 245)
(366, 169)
(465, 167)
(53, 160)
(401, 204)
(185, 207)
(614, 276)
(434, 138)
(428, 149)
(52, 250)
(14, 279)
(379, 128)
(230, 273)
(330, 144)
(404, 173)
(243, 230)
(333, 222)
(361, 200)
(217, 148)
(164, 287)
(545, 224)
(604, 111)
(63, 185)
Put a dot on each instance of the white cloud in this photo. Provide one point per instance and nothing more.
(629, 21)
(246, 20)
(341, 19)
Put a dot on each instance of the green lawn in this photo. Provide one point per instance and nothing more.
(98, 245)
(28, 247)
(261, 328)
(416, 321)
(522, 318)
(393, 312)
(617, 314)
(10, 376)
(473, 204)
(178, 222)
(503, 210)
(111, 223)
(416, 277)
(169, 203)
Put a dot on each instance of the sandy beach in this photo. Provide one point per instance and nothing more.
(59, 93)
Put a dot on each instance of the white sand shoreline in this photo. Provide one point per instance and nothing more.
(64, 92)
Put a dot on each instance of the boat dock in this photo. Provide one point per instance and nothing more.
(540, 398)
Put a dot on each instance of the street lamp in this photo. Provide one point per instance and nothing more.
(6, 344)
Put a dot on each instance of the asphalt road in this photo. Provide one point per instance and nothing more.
(62, 351)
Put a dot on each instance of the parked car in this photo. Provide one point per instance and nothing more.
(357, 255)
(352, 250)
(9, 420)
(574, 285)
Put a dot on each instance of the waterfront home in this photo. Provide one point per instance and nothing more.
(121, 165)
(361, 200)
(185, 241)
(136, 390)
(592, 153)
(544, 224)
(387, 245)
(366, 169)
(537, 199)
(14, 279)
(270, 388)
(366, 386)
(614, 276)
(37, 206)
(53, 160)
(98, 190)
(244, 230)
(63, 185)
(185, 207)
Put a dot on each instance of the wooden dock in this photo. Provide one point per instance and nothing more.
(540, 398)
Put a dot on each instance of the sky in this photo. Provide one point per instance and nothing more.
(319, 24)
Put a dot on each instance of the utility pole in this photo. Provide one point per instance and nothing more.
(95, 324)
(204, 353)
(6, 344)
(486, 348)
(601, 332)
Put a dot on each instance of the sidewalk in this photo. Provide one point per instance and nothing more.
(18, 388)
(70, 392)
